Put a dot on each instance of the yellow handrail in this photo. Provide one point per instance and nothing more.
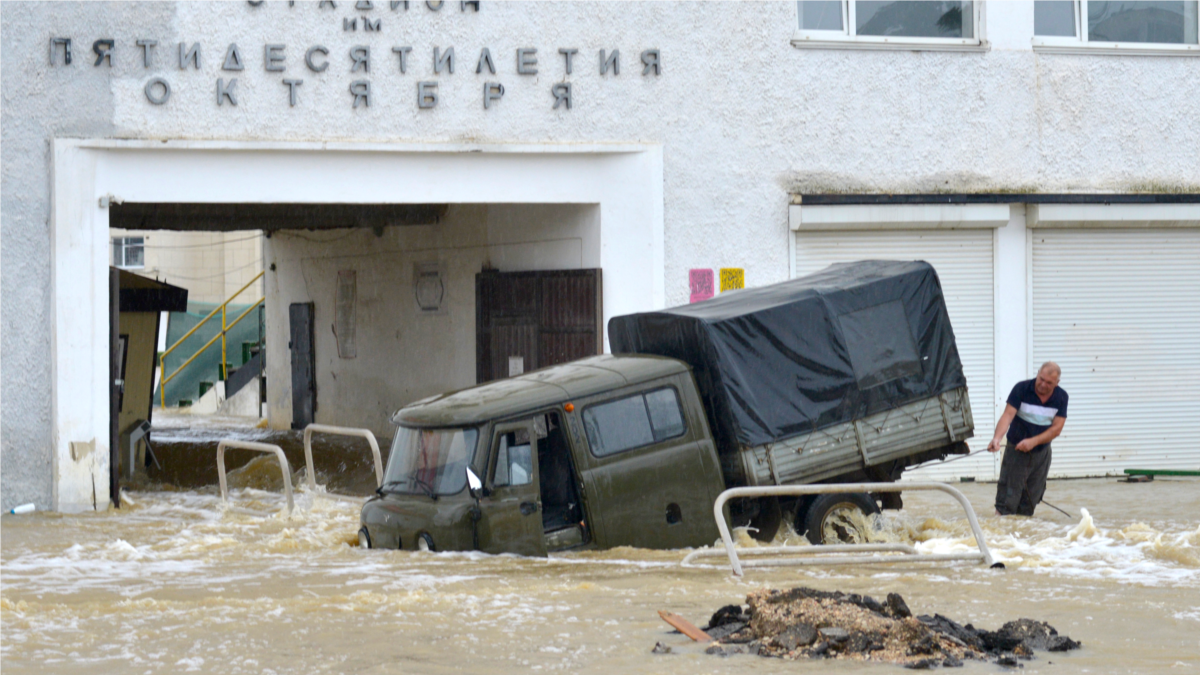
(162, 358)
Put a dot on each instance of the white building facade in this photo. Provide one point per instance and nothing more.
(1042, 156)
(212, 266)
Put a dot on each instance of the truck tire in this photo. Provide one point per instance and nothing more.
(765, 524)
(829, 518)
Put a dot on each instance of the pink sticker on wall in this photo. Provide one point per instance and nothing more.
(701, 284)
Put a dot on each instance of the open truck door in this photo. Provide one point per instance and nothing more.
(510, 519)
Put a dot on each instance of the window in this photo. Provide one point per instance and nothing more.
(129, 252)
(633, 421)
(429, 461)
(514, 461)
(861, 24)
(1119, 27)
(665, 417)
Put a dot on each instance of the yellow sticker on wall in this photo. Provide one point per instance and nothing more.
(732, 278)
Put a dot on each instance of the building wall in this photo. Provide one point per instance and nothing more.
(744, 119)
(211, 265)
(773, 119)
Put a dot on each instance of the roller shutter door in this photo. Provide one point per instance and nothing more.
(963, 260)
(1119, 310)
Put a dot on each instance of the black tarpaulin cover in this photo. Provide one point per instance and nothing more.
(773, 362)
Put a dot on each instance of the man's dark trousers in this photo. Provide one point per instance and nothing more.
(1022, 480)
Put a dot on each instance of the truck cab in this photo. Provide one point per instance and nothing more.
(601, 452)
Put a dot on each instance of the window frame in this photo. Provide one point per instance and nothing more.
(125, 245)
(472, 452)
(1055, 44)
(844, 39)
(498, 431)
(642, 393)
(508, 463)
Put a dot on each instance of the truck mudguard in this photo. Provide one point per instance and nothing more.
(776, 361)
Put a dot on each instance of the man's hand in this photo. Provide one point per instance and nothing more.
(1027, 445)
(1002, 428)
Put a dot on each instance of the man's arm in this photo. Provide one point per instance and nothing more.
(1002, 428)
(1046, 436)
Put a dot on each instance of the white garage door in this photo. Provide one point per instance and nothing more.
(1119, 310)
(963, 260)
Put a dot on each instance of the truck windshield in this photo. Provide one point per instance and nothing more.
(429, 461)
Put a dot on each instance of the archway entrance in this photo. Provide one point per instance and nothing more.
(620, 187)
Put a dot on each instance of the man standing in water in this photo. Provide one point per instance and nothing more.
(1034, 416)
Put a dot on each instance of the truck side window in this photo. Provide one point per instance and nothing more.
(633, 421)
(514, 461)
(665, 415)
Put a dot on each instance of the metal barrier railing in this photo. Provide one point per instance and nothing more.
(258, 447)
(162, 358)
(812, 553)
(340, 431)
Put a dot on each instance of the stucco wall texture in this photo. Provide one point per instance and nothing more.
(744, 119)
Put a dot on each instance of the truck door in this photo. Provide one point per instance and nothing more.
(651, 476)
(511, 516)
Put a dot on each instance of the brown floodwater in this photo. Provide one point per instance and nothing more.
(177, 582)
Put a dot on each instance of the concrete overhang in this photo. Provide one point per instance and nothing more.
(897, 217)
(218, 217)
(1112, 215)
(142, 294)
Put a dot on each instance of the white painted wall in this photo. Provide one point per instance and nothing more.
(1012, 305)
(212, 266)
(80, 334)
(543, 237)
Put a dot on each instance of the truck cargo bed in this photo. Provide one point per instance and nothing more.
(847, 343)
(908, 430)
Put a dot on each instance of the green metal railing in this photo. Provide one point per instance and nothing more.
(162, 358)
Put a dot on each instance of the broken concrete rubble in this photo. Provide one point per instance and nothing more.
(808, 623)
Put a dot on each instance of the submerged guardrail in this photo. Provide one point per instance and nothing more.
(812, 554)
(257, 447)
(339, 431)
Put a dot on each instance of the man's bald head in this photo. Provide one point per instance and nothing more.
(1047, 379)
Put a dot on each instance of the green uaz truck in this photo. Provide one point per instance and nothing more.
(850, 374)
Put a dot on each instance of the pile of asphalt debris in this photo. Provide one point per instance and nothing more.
(807, 623)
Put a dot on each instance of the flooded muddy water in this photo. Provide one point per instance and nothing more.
(176, 582)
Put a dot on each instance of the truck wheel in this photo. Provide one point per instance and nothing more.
(765, 524)
(838, 518)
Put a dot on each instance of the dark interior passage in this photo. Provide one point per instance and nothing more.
(560, 500)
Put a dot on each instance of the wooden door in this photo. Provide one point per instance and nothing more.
(304, 376)
(530, 320)
(116, 357)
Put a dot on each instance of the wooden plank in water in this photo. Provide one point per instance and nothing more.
(684, 626)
